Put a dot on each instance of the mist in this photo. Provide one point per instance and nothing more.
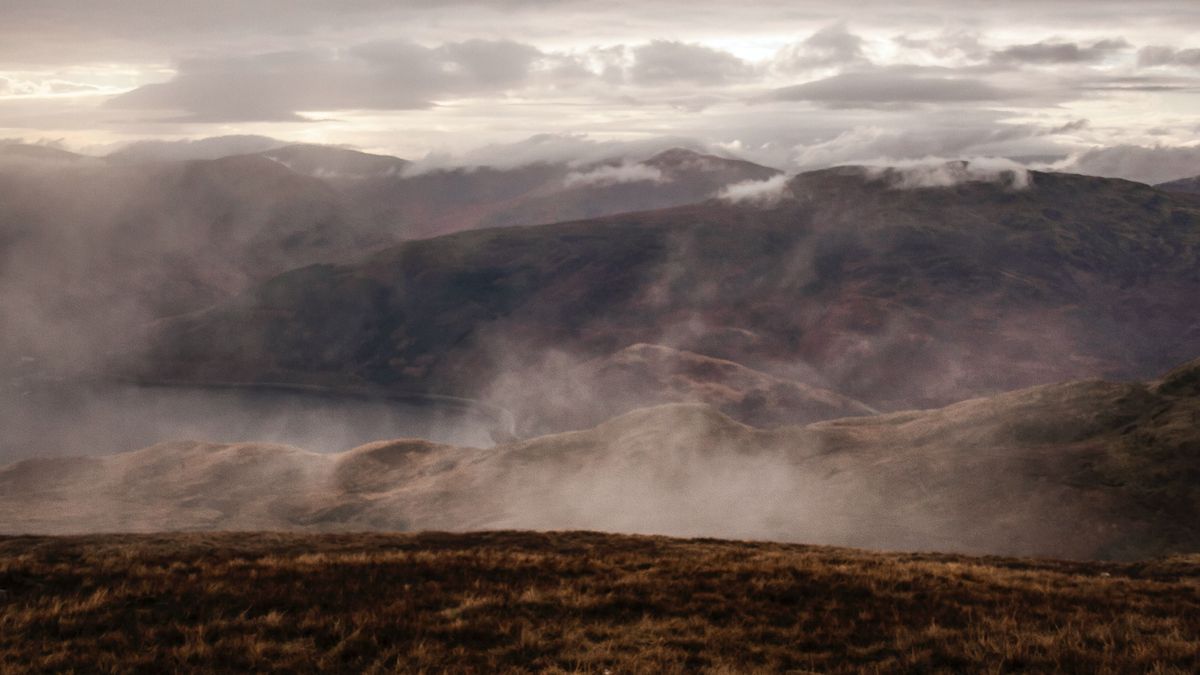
(244, 343)
(519, 335)
(912, 481)
(61, 419)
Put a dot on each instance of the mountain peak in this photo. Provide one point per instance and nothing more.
(678, 154)
(687, 159)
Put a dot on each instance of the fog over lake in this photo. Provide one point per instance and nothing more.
(107, 418)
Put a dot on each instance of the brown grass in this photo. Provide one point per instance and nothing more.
(515, 601)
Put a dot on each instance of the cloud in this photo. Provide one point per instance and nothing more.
(1070, 127)
(1137, 83)
(934, 172)
(948, 44)
(1145, 164)
(45, 87)
(868, 89)
(1053, 52)
(488, 64)
(609, 174)
(1149, 57)
(369, 68)
(939, 136)
(66, 31)
(382, 75)
(756, 192)
(833, 45)
(669, 62)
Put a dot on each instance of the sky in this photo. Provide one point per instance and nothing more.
(1112, 86)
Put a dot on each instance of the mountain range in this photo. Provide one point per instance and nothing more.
(851, 279)
(103, 245)
(684, 343)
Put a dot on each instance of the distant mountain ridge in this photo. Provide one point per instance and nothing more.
(442, 201)
(410, 202)
(894, 297)
(323, 161)
(1186, 185)
(100, 246)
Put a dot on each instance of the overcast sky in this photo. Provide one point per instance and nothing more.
(794, 84)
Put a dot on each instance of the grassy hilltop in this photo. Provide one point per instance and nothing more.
(576, 602)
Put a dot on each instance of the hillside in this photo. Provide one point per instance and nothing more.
(1184, 185)
(335, 164)
(45, 153)
(442, 201)
(896, 297)
(576, 602)
(101, 246)
(1087, 469)
(644, 375)
(93, 250)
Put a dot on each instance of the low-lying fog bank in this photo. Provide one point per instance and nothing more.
(55, 419)
(1087, 469)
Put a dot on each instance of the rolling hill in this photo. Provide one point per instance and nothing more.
(643, 375)
(576, 602)
(1088, 469)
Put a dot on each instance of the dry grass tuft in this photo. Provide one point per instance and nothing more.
(575, 602)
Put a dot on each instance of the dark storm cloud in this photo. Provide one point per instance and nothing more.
(375, 76)
(886, 87)
(1053, 52)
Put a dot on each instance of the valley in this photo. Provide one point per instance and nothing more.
(1088, 469)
